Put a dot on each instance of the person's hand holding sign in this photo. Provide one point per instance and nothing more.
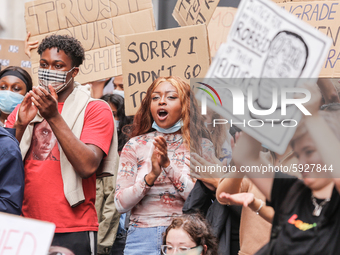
(46, 103)
(315, 102)
(30, 45)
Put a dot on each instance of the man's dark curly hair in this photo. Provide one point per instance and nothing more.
(70, 45)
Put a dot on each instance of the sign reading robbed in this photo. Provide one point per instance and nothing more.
(194, 12)
(268, 53)
(12, 53)
(22, 236)
(97, 24)
(182, 52)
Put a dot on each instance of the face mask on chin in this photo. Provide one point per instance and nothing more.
(177, 126)
(56, 78)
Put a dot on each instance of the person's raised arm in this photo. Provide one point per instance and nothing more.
(328, 91)
(228, 185)
(198, 169)
(325, 140)
(30, 45)
(247, 154)
(231, 182)
(129, 191)
(249, 200)
(327, 144)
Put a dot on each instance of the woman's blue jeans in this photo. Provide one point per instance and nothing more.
(144, 241)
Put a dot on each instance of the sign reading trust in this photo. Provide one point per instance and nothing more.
(275, 51)
(97, 24)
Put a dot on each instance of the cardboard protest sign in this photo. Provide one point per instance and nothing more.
(194, 12)
(219, 26)
(22, 236)
(324, 16)
(97, 24)
(12, 53)
(182, 52)
(268, 43)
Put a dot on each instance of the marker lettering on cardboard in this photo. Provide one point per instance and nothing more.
(219, 26)
(21, 236)
(97, 24)
(265, 42)
(12, 53)
(181, 52)
(193, 12)
(324, 16)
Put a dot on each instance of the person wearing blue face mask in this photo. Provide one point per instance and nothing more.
(15, 82)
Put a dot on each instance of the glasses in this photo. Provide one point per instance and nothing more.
(168, 249)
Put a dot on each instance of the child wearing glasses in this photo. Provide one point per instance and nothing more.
(188, 232)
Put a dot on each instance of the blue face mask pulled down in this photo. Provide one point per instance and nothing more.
(170, 130)
(9, 100)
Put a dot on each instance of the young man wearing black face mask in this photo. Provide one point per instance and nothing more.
(59, 176)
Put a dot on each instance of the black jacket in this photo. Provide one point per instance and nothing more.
(12, 176)
(202, 200)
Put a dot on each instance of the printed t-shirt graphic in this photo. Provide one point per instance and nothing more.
(44, 145)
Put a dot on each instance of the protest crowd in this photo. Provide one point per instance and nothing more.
(117, 176)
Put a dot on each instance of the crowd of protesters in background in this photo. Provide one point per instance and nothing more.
(117, 184)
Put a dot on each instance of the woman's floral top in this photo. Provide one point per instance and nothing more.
(155, 206)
